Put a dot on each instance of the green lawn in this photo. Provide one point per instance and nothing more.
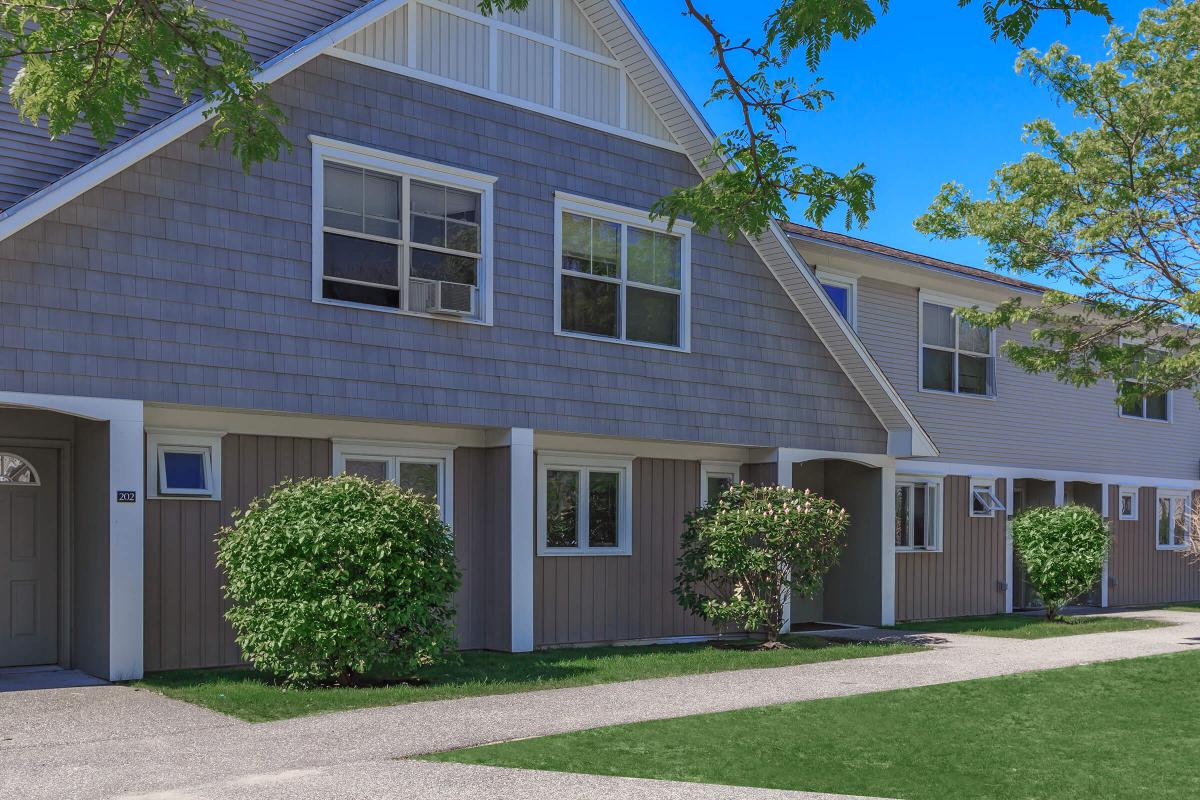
(1183, 607)
(1020, 626)
(251, 696)
(1121, 729)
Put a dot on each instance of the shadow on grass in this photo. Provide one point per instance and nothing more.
(1021, 626)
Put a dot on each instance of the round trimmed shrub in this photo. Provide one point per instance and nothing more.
(332, 578)
(750, 548)
(1063, 550)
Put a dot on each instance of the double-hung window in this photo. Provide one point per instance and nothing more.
(584, 504)
(621, 276)
(183, 464)
(956, 356)
(918, 514)
(984, 502)
(426, 470)
(397, 234)
(1174, 518)
(1146, 406)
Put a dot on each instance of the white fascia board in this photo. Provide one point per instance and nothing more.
(943, 468)
(157, 136)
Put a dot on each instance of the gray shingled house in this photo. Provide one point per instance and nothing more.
(451, 282)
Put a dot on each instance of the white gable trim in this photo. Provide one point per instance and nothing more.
(905, 434)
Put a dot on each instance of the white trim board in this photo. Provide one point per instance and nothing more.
(942, 468)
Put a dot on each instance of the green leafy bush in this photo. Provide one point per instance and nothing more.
(1063, 550)
(750, 548)
(331, 578)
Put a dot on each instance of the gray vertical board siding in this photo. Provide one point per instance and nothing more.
(964, 578)
(33, 160)
(760, 474)
(809, 475)
(1034, 421)
(854, 587)
(1141, 573)
(482, 548)
(183, 280)
(583, 599)
(184, 602)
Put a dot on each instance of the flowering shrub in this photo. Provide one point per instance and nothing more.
(331, 578)
(747, 551)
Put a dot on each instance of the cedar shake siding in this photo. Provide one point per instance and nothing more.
(1139, 573)
(183, 280)
(184, 622)
(581, 599)
(965, 577)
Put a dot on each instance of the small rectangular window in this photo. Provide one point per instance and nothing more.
(842, 291)
(984, 502)
(584, 505)
(1128, 504)
(620, 276)
(716, 477)
(183, 464)
(918, 514)
(956, 357)
(425, 469)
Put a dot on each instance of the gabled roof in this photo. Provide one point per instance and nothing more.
(841, 240)
(33, 161)
(683, 120)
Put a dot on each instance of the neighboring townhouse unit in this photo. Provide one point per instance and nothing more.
(1007, 440)
(451, 282)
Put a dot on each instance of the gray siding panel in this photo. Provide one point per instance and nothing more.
(964, 578)
(1140, 573)
(1034, 421)
(183, 280)
(580, 599)
(481, 538)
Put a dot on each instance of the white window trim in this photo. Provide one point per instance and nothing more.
(717, 469)
(623, 215)
(556, 460)
(162, 440)
(1143, 418)
(937, 484)
(1131, 491)
(406, 168)
(991, 499)
(847, 282)
(1164, 494)
(953, 302)
(393, 452)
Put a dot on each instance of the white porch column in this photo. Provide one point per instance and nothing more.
(1060, 492)
(1008, 544)
(887, 564)
(125, 543)
(521, 553)
(1104, 512)
(784, 463)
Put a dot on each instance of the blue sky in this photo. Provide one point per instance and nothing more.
(923, 98)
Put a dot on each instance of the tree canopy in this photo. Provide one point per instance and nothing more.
(1109, 211)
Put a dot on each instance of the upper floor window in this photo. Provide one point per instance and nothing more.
(1148, 406)
(621, 276)
(401, 235)
(955, 356)
(843, 293)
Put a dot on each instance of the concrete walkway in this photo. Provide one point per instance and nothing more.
(117, 742)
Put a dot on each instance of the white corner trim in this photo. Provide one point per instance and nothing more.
(522, 544)
(162, 133)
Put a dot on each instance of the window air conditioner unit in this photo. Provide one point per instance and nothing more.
(442, 297)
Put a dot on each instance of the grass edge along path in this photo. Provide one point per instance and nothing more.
(1024, 626)
(1073, 733)
(254, 697)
